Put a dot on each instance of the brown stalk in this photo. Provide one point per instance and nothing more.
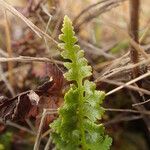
(133, 31)
(134, 55)
(8, 46)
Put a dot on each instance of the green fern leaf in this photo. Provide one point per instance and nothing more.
(78, 67)
(77, 126)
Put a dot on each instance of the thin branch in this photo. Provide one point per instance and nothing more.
(128, 83)
(38, 137)
(141, 103)
(135, 88)
(29, 59)
(48, 143)
(9, 123)
(122, 119)
(46, 133)
(127, 110)
(141, 108)
(120, 69)
(9, 49)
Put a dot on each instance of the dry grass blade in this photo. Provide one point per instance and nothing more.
(38, 31)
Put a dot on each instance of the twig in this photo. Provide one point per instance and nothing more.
(120, 69)
(9, 49)
(48, 143)
(31, 125)
(46, 133)
(29, 59)
(121, 119)
(135, 88)
(141, 103)
(9, 123)
(38, 137)
(127, 110)
(141, 108)
(134, 55)
(128, 83)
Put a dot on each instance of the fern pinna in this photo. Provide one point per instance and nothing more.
(77, 127)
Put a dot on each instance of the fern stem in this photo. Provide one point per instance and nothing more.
(81, 100)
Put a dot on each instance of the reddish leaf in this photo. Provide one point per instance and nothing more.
(16, 108)
(26, 105)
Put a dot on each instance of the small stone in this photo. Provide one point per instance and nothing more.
(34, 98)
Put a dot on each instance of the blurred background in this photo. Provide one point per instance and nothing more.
(101, 27)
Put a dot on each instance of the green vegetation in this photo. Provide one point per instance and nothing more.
(77, 126)
(5, 141)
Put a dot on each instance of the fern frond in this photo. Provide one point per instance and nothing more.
(77, 68)
(77, 126)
